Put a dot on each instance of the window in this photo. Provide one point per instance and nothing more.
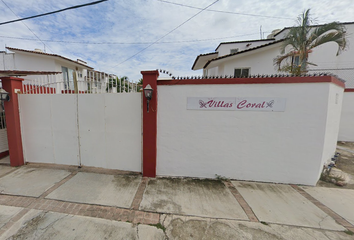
(235, 50)
(241, 72)
(68, 78)
(295, 60)
(295, 64)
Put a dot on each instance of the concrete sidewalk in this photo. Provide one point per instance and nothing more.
(41, 202)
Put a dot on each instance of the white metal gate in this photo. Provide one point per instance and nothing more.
(95, 127)
(4, 146)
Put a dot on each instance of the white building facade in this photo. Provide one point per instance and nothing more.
(256, 57)
(25, 60)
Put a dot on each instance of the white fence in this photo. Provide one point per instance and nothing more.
(99, 130)
(92, 82)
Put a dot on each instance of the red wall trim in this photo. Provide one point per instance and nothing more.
(276, 80)
(4, 154)
(349, 90)
(150, 125)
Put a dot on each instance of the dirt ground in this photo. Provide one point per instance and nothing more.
(344, 163)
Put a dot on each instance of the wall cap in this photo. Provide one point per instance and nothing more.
(264, 79)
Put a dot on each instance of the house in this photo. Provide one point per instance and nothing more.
(20, 60)
(255, 57)
(245, 58)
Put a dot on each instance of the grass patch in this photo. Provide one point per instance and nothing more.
(349, 232)
(264, 223)
(221, 178)
(159, 226)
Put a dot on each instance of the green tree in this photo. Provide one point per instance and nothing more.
(140, 85)
(302, 38)
(121, 84)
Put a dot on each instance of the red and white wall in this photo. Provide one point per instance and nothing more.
(289, 146)
(181, 136)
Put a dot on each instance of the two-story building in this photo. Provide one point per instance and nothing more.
(253, 57)
(20, 60)
(256, 57)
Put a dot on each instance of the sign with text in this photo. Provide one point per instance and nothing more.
(206, 103)
(237, 104)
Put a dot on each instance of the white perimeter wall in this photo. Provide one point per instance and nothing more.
(335, 100)
(283, 147)
(346, 130)
(109, 129)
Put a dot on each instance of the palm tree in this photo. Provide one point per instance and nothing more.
(303, 38)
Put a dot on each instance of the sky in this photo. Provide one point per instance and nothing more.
(125, 37)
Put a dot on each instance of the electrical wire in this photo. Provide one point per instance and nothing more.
(168, 33)
(219, 11)
(28, 27)
(49, 13)
(129, 43)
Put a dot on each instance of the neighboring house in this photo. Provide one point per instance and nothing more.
(245, 58)
(37, 60)
(256, 57)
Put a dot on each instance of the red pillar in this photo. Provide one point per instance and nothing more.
(150, 125)
(12, 115)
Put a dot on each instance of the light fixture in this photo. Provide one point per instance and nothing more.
(4, 96)
(148, 94)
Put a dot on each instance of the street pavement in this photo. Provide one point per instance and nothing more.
(57, 202)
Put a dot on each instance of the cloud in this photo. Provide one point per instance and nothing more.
(126, 23)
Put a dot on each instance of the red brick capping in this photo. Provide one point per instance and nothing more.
(349, 90)
(13, 120)
(150, 125)
(269, 80)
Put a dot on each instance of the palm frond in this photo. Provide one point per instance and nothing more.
(336, 36)
(334, 26)
(304, 37)
(277, 62)
(313, 64)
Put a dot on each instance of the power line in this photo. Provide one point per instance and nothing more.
(219, 11)
(26, 26)
(128, 43)
(49, 13)
(168, 33)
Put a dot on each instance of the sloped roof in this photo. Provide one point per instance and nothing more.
(241, 52)
(202, 59)
(48, 54)
(12, 73)
(245, 41)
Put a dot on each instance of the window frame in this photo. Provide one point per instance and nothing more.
(241, 72)
(68, 77)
